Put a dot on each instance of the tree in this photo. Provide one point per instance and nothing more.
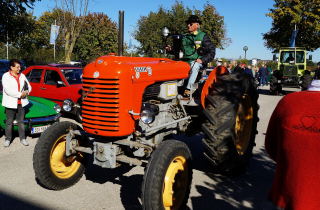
(149, 27)
(12, 18)
(149, 32)
(98, 37)
(288, 13)
(72, 20)
(213, 25)
(35, 46)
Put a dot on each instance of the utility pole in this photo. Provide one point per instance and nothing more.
(7, 45)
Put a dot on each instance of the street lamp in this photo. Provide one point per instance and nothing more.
(245, 48)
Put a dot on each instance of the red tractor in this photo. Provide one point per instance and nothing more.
(131, 108)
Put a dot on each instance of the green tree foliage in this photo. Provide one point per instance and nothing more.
(213, 25)
(149, 28)
(13, 17)
(272, 64)
(35, 45)
(99, 37)
(305, 14)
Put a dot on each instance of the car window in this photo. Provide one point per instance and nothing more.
(52, 77)
(34, 75)
(73, 76)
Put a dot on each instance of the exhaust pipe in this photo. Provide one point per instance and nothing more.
(121, 33)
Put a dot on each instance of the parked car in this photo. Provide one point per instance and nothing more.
(40, 114)
(59, 83)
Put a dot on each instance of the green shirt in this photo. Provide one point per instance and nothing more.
(190, 44)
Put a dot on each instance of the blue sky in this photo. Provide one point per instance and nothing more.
(245, 20)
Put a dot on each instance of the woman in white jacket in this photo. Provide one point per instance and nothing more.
(15, 90)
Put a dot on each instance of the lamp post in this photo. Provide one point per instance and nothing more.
(245, 48)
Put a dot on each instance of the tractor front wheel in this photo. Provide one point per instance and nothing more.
(53, 169)
(167, 179)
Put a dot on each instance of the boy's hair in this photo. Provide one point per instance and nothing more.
(13, 62)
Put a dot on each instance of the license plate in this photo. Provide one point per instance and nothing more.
(39, 129)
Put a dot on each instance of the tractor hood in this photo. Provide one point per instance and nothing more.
(113, 87)
(140, 68)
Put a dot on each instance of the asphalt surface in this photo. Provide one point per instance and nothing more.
(120, 188)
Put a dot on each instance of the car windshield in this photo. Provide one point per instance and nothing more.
(73, 76)
(288, 57)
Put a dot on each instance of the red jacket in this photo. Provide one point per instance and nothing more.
(293, 142)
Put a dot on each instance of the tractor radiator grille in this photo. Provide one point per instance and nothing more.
(151, 92)
(290, 71)
(100, 106)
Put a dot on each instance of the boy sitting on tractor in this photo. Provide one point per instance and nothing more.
(198, 50)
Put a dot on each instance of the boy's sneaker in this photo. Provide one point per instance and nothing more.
(6, 143)
(24, 142)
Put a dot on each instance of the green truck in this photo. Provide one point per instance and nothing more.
(292, 62)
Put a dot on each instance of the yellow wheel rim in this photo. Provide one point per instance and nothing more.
(175, 183)
(244, 121)
(62, 166)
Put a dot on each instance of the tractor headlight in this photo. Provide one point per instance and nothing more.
(57, 108)
(148, 113)
(67, 105)
(147, 116)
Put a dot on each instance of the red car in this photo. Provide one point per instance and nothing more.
(59, 83)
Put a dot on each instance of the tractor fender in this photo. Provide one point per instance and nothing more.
(212, 78)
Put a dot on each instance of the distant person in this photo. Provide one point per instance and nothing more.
(219, 62)
(306, 80)
(263, 73)
(16, 88)
(225, 64)
(317, 71)
(256, 72)
(237, 69)
(293, 142)
(290, 58)
(275, 83)
(269, 74)
(230, 68)
(248, 70)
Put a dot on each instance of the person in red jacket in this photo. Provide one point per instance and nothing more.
(293, 142)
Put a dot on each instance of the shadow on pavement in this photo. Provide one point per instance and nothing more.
(130, 191)
(267, 92)
(130, 186)
(11, 202)
(101, 175)
(248, 191)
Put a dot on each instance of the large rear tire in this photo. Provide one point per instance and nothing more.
(52, 168)
(167, 180)
(231, 122)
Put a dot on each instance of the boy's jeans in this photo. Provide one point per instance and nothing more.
(195, 67)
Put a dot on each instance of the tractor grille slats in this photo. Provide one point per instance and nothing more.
(100, 106)
(152, 91)
(290, 70)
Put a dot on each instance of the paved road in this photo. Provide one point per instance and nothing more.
(120, 189)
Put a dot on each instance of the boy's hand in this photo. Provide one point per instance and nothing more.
(24, 94)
